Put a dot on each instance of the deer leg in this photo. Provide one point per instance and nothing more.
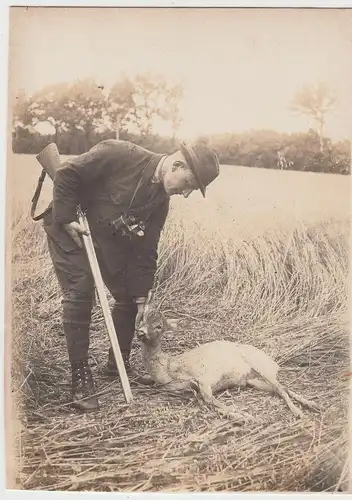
(178, 385)
(144, 380)
(264, 386)
(309, 404)
(207, 395)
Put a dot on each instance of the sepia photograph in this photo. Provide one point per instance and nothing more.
(177, 249)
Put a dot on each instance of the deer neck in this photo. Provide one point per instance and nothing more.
(156, 362)
(153, 353)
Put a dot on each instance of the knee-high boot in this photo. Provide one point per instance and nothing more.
(123, 315)
(77, 310)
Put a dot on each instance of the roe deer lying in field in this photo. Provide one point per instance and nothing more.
(211, 367)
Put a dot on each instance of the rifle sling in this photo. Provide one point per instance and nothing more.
(35, 198)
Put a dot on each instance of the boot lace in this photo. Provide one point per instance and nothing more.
(82, 376)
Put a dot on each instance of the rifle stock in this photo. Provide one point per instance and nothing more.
(49, 159)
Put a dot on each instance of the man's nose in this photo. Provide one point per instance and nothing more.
(187, 192)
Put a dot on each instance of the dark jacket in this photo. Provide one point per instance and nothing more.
(103, 181)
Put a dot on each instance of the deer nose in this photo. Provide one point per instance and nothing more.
(187, 192)
(141, 332)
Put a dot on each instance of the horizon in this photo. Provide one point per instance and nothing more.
(240, 67)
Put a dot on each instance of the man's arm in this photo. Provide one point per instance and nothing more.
(145, 256)
(80, 171)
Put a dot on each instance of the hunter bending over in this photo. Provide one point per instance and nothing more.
(125, 191)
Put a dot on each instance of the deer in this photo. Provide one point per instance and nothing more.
(210, 368)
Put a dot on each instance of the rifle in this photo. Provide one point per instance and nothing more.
(49, 159)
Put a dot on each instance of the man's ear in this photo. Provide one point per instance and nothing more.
(178, 164)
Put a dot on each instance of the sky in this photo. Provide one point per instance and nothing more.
(240, 67)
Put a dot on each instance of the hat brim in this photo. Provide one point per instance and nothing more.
(193, 162)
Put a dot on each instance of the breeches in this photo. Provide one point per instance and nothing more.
(76, 281)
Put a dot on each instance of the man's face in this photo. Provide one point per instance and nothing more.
(179, 179)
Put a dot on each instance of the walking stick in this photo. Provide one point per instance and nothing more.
(49, 159)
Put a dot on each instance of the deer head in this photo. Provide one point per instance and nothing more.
(154, 323)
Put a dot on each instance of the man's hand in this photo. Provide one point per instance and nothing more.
(75, 230)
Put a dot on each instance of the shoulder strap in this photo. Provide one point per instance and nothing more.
(35, 198)
(143, 177)
(148, 208)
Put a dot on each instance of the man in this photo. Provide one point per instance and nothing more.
(124, 190)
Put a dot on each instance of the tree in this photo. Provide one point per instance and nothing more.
(47, 106)
(84, 107)
(21, 115)
(315, 102)
(136, 103)
(172, 112)
(76, 107)
(149, 100)
(120, 105)
(154, 98)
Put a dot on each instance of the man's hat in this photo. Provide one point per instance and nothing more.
(203, 162)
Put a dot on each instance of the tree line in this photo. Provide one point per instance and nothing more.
(270, 149)
(77, 114)
(80, 114)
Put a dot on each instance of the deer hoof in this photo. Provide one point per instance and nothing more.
(298, 413)
(237, 418)
(315, 407)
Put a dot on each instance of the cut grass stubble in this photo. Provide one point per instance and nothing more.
(283, 291)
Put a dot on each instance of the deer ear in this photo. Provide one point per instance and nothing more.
(149, 297)
(148, 304)
(171, 324)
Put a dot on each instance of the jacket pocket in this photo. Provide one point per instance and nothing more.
(121, 198)
(57, 234)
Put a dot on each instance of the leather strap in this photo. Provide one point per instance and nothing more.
(35, 198)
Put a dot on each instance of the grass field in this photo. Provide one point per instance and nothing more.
(263, 260)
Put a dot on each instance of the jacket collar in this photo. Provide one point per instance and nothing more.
(157, 170)
(150, 169)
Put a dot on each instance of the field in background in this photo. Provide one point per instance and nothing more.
(248, 201)
(264, 259)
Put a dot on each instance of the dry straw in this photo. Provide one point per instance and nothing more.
(285, 292)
